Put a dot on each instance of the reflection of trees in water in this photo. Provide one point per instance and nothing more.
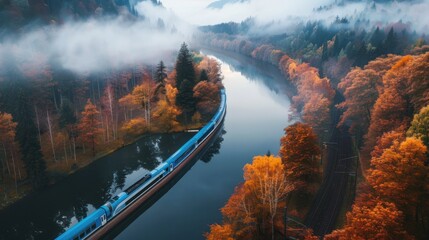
(80, 209)
(255, 71)
(175, 140)
(63, 219)
(150, 152)
(45, 215)
(119, 178)
(214, 148)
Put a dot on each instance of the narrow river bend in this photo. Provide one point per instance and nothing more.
(257, 114)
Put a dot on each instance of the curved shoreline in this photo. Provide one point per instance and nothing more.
(97, 224)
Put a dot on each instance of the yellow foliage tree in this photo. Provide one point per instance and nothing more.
(165, 116)
(135, 126)
(400, 174)
(254, 208)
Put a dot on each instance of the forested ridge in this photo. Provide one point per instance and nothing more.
(57, 121)
(15, 14)
(382, 74)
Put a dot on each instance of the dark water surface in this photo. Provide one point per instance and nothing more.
(256, 116)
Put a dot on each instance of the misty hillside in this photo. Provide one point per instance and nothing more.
(221, 3)
(16, 13)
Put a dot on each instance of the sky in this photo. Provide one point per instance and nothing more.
(286, 12)
(195, 11)
(96, 45)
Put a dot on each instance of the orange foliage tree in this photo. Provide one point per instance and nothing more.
(89, 125)
(7, 138)
(144, 95)
(315, 94)
(207, 96)
(254, 208)
(418, 81)
(392, 108)
(360, 89)
(220, 232)
(387, 140)
(401, 176)
(213, 69)
(300, 154)
(380, 220)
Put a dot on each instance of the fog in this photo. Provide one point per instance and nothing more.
(99, 44)
(276, 16)
(103, 43)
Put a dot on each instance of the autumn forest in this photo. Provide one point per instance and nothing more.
(82, 80)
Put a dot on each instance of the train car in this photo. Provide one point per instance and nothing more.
(94, 221)
(147, 185)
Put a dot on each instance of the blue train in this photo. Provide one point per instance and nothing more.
(120, 202)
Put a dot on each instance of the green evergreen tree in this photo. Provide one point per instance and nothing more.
(185, 99)
(203, 75)
(324, 51)
(184, 66)
(67, 116)
(337, 47)
(391, 42)
(161, 72)
(16, 96)
(185, 82)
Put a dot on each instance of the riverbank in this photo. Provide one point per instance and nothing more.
(63, 168)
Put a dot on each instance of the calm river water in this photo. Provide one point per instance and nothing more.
(257, 114)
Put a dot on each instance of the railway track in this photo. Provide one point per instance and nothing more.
(327, 204)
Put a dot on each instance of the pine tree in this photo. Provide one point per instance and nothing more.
(184, 66)
(203, 75)
(337, 47)
(185, 81)
(15, 96)
(391, 42)
(160, 73)
(325, 52)
(27, 136)
(185, 98)
(377, 38)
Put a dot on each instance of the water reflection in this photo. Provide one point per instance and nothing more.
(257, 114)
(45, 214)
(214, 148)
(206, 154)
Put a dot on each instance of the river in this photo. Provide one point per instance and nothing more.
(258, 110)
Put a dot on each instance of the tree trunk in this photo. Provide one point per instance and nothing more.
(50, 135)
(107, 129)
(5, 158)
(272, 228)
(55, 98)
(74, 149)
(102, 126)
(109, 95)
(38, 125)
(13, 157)
(65, 151)
(14, 173)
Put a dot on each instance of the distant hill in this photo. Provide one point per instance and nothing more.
(221, 3)
(16, 13)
